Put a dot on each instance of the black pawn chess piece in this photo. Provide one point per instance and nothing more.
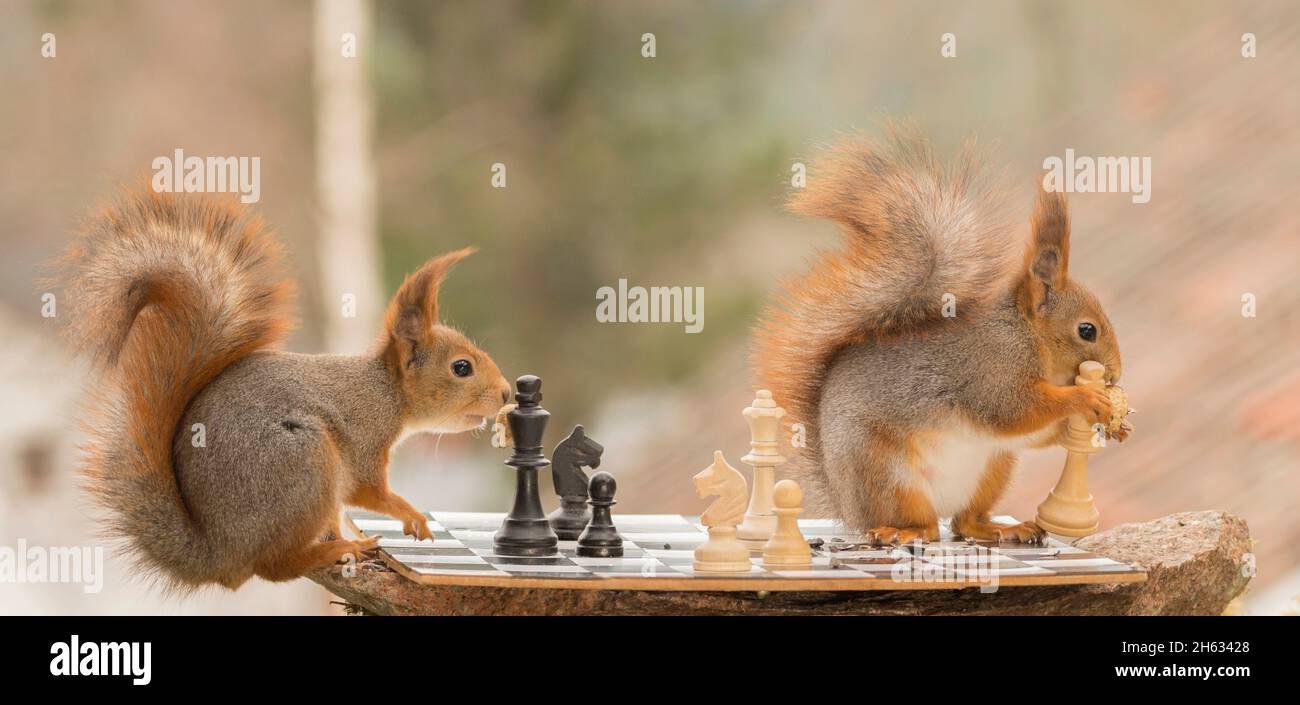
(525, 531)
(567, 460)
(601, 539)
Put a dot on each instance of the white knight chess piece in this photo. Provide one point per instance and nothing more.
(723, 552)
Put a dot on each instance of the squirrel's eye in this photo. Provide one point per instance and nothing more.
(1088, 332)
(462, 368)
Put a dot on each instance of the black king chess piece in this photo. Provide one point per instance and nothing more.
(567, 460)
(601, 539)
(525, 531)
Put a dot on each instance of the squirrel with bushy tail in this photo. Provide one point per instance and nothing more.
(932, 346)
(180, 302)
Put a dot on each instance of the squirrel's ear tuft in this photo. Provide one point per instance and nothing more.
(1047, 261)
(413, 311)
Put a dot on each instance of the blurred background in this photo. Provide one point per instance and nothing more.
(665, 171)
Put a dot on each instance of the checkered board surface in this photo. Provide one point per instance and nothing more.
(658, 552)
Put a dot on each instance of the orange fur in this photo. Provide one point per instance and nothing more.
(381, 499)
(165, 292)
(889, 278)
(408, 318)
(996, 479)
(974, 521)
(914, 520)
(179, 300)
(862, 350)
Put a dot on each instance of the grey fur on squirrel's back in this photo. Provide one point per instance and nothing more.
(275, 419)
(164, 292)
(914, 229)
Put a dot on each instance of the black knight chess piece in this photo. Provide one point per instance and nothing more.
(567, 461)
(525, 531)
(601, 539)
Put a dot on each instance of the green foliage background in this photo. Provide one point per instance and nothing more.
(617, 166)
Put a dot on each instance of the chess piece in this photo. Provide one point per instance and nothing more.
(723, 552)
(567, 460)
(787, 547)
(525, 531)
(600, 539)
(764, 418)
(1069, 510)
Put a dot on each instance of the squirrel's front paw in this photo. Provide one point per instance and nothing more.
(1093, 403)
(418, 527)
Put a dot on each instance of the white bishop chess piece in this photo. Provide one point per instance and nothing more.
(723, 552)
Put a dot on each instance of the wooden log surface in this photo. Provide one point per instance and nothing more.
(1196, 561)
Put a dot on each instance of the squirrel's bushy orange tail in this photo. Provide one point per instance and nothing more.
(164, 291)
(915, 229)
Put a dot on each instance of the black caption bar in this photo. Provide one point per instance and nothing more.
(333, 655)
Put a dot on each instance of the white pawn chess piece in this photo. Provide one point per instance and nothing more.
(1069, 511)
(764, 418)
(787, 548)
(722, 553)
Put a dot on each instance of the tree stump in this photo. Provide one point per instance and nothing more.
(1196, 563)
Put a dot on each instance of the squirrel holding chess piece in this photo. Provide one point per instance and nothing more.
(924, 354)
(179, 300)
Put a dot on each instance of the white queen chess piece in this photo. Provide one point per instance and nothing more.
(723, 552)
(764, 419)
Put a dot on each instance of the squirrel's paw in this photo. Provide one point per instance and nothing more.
(418, 527)
(1026, 532)
(1094, 404)
(890, 536)
(361, 548)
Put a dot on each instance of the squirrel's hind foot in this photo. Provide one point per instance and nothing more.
(367, 546)
(983, 530)
(322, 554)
(892, 536)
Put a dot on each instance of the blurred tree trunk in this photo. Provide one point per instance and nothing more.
(345, 176)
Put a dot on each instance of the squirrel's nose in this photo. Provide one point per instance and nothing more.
(505, 395)
(1113, 371)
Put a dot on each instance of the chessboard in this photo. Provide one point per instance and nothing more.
(659, 555)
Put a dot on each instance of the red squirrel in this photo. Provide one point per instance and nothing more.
(179, 301)
(924, 354)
